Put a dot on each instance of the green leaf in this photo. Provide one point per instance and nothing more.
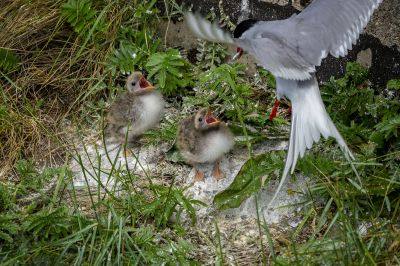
(176, 61)
(83, 18)
(394, 84)
(389, 127)
(269, 78)
(170, 69)
(154, 60)
(162, 78)
(356, 73)
(250, 179)
(174, 71)
(124, 59)
(8, 227)
(185, 204)
(210, 54)
(8, 60)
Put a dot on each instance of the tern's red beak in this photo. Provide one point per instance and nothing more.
(239, 53)
(145, 84)
(211, 120)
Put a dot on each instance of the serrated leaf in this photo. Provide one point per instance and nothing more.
(174, 71)
(155, 59)
(175, 62)
(124, 58)
(394, 84)
(83, 18)
(162, 76)
(170, 70)
(390, 126)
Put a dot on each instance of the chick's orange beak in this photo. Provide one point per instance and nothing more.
(211, 120)
(145, 84)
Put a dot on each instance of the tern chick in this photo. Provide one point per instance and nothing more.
(202, 138)
(133, 112)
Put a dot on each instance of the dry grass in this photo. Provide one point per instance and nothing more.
(54, 75)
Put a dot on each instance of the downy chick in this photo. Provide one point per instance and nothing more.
(203, 138)
(137, 110)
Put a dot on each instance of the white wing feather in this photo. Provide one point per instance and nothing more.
(206, 30)
(341, 21)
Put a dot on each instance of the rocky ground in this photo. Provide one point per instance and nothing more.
(238, 228)
(152, 160)
(378, 49)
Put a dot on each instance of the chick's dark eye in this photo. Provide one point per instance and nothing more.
(200, 119)
(134, 83)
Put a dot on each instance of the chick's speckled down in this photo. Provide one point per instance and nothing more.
(200, 143)
(138, 109)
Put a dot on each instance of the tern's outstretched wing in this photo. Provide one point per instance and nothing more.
(206, 30)
(291, 48)
(341, 22)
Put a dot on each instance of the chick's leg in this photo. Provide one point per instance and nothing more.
(198, 176)
(217, 172)
(127, 152)
(131, 143)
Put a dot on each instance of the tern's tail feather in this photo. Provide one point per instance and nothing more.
(309, 121)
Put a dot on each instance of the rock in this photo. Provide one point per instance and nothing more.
(205, 191)
(92, 167)
(364, 58)
(385, 24)
(300, 4)
(177, 34)
(95, 164)
(278, 2)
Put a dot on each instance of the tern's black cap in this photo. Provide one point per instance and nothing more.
(243, 26)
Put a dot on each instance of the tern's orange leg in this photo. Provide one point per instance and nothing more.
(274, 110)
